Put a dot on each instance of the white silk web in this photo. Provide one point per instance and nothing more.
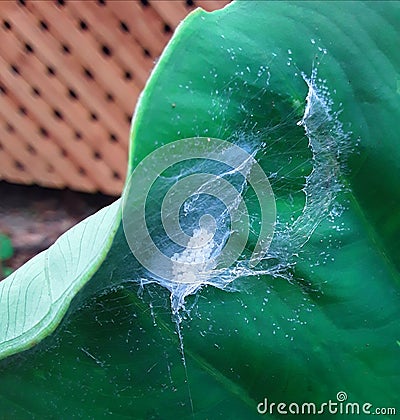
(302, 162)
(302, 156)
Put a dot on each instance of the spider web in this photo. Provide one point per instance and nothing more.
(302, 158)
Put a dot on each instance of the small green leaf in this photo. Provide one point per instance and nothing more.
(7, 271)
(6, 248)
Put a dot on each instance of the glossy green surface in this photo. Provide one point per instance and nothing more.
(336, 326)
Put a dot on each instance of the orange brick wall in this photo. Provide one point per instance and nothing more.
(70, 75)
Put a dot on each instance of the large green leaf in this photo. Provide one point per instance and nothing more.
(334, 327)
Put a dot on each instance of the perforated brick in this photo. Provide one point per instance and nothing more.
(70, 75)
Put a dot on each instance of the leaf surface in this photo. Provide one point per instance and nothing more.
(335, 327)
(36, 297)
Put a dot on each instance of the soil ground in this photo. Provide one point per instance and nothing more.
(34, 217)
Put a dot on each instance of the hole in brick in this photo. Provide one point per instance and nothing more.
(65, 49)
(51, 71)
(10, 128)
(14, 69)
(109, 97)
(43, 132)
(35, 91)
(31, 149)
(82, 171)
(19, 165)
(128, 118)
(7, 25)
(60, 3)
(113, 138)
(97, 155)
(123, 26)
(3, 90)
(83, 25)
(93, 116)
(22, 110)
(78, 135)
(189, 3)
(88, 73)
(144, 3)
(146, 52)
(72, 94)
(128, 75)
(64, 153)
(21, 2)
(43, 25)
(167, 28)
(116, 175)
(105, 50)
(29, 48)
(58, 114)
(101, 2)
